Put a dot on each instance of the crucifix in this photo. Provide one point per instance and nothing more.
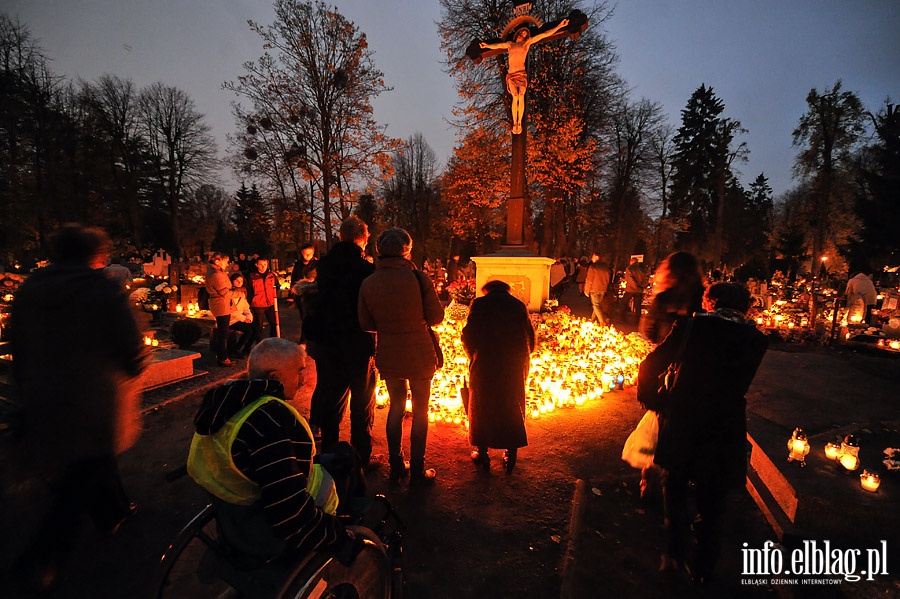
(521, 32)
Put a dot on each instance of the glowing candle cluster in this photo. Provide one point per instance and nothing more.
(574, 361)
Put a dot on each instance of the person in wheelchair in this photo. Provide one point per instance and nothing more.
(254, 454)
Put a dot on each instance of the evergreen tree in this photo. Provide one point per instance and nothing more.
(827, 136)
(251, 220)
(702, 173)
(878, 204)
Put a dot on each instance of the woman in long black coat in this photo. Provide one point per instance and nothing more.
(498, 339)
(702, 419)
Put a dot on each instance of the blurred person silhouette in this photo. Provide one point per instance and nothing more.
(262, 285)
(860, 288)
(678, 287)
(453, 269)
(218, 287)
(498, 338)
(635, 284)
(702, 421)
(399, 304)
(77, 352)
(678, 291)
(345, 368)
(255, 456)
(303, 275)
(119, 272)
(241, 316)
(581, 273)
(557, 279)
(596, 283)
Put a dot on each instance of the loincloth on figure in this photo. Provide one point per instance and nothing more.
(516, 82)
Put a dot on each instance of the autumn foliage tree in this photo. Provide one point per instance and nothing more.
(475, 188)
(568, 106)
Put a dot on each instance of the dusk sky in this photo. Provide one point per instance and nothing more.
(761, 57)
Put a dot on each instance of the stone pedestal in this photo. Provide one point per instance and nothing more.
(167, 366)
(527, 274)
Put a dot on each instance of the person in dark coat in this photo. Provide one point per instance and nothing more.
(343, 352)
(702, 419)
(77, 352)
(453, 269)
(498, 338)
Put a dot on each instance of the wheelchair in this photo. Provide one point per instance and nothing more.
(199, 563)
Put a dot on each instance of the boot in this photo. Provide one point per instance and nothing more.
(399, 468)
(418, 475)
(481, 458)
(509, 459)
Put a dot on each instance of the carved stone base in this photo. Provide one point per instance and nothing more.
(527, 274)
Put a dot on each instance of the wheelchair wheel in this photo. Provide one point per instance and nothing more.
(188, 567)
(369, 577)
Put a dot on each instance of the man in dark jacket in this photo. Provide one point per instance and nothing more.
(76, 354)
(702, 418)
(342, 350)
(268, 494)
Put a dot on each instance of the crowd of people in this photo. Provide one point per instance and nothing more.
(275, 476)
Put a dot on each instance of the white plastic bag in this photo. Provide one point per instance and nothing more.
(641, 443)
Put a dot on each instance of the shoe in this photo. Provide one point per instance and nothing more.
(399, 468)
(423, 477)
(226, 363)
(132, 510)
(482, 459)
(509, 460)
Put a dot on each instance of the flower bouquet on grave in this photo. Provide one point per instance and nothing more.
(462, 291)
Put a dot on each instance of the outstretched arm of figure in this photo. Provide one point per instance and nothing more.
(550, 32)
(498, 46)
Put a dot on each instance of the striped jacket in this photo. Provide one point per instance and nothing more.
(274, 450)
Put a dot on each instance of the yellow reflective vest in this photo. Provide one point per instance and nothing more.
(210, 464)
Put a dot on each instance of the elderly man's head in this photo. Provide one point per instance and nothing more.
(279, 359)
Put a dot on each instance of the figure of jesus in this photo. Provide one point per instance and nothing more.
(517, 78)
